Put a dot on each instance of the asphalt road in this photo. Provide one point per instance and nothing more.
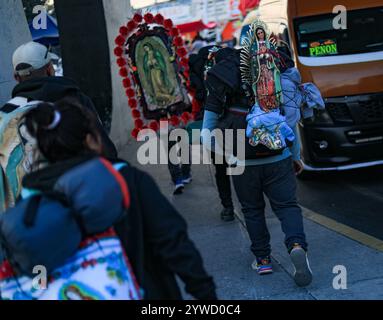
(353, 198)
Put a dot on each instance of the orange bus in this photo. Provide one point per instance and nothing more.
(347, 67)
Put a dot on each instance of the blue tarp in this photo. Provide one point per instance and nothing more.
(48, 36)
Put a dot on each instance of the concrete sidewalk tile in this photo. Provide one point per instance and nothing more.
(362, 290)
(328, 249)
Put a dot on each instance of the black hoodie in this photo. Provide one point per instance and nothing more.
(52, 89)
(224, 83)
(197, 68)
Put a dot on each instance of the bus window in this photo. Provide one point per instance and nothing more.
(317, 37)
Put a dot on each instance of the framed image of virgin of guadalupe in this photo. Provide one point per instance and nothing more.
(162, 93)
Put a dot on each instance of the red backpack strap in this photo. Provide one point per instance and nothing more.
(120, 180)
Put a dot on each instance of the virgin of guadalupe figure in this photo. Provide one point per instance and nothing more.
(259, 70)
(266, 86)
(161, 89)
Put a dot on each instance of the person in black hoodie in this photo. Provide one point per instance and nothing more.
(153, 234)
(198, 63)
(34, 71)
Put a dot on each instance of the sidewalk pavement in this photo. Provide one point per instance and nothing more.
(225, 247)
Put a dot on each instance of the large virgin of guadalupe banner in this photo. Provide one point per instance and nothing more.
(260, 72)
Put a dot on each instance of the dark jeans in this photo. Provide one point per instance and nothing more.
(180, 171)
(223, 183)
(277, 181)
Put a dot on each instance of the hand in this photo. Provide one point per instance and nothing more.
(298, 166)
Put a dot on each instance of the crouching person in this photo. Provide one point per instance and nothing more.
(100, 229)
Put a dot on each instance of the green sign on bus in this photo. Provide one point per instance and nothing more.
(323, 48)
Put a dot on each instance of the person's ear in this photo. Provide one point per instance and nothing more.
(94, 143)
(17, 77)
(51, 70)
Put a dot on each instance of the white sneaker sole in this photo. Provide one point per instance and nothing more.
(302, 275)
(179, 189)
(255, 267)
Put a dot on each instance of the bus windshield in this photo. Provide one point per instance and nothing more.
(317, 37)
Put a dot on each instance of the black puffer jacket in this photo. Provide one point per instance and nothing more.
(155, 237)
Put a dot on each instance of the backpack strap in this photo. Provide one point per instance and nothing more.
(3, 206)
(34, 202)
(16, 103)
(114, 170)
(31, 211)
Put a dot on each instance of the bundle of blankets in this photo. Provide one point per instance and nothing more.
(274, 128)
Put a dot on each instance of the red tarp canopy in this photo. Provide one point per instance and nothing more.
(195, 26)
(247, 5)
(228, 31)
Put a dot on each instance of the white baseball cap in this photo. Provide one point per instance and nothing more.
(30, 56)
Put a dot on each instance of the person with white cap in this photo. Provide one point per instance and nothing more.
(33, 69)
(32, 60)
(34, 72)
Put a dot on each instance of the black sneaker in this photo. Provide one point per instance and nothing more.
(227, 214)
(178, 188)
(302, 274)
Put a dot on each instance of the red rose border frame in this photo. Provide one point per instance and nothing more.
(128, 76)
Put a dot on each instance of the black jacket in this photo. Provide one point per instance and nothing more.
(224, 83)
(52, 89)
(197, 63)
(155, 237)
